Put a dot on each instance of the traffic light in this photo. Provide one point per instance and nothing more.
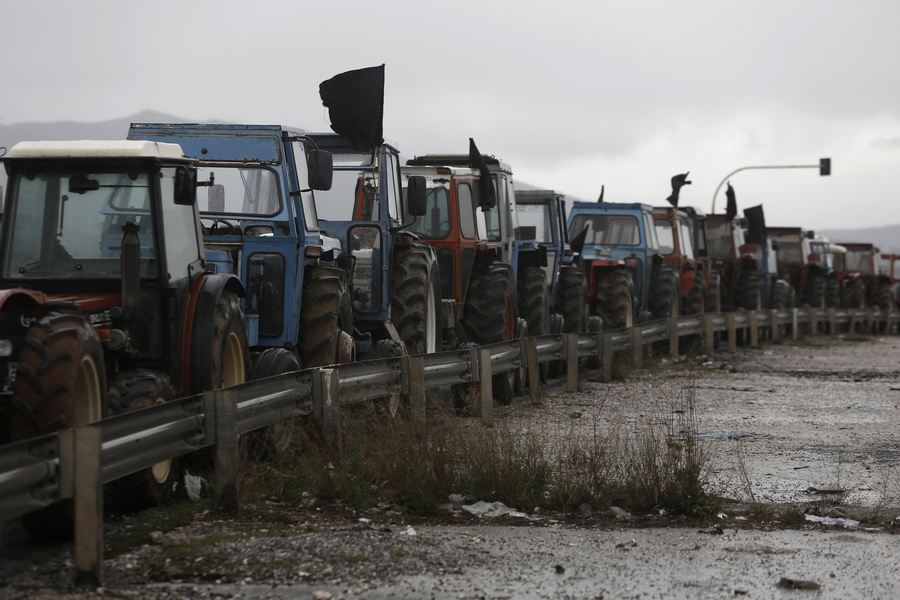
(824, 166)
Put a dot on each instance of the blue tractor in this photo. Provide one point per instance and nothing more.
(259, 222)
(628, 279)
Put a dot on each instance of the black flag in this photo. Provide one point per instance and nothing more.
(677, 182)
(355, 103)
(476, 161)
(756, 225)
(731, 206)
(602, 189)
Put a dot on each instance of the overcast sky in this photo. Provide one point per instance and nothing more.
(573, 95)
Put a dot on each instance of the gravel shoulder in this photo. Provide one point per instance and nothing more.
(808, 426)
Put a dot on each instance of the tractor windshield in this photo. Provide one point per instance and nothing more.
(69, 225)
(666, 236)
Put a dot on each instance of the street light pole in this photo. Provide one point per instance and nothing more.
(824, 168)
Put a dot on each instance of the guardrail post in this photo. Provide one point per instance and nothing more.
(637, 346)
(832, 321)
(672, 330)
(486, 385)
(88, 506)
(327, 406)
(534, 373)
(228, 453)
(571, 362)
(709, 334)
(732, 331)
(795, 322)
(813, 321)
(415, 383)
(607, 356)
(776, 330)
(754, 330)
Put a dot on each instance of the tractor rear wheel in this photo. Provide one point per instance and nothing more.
(322, 316)
(571, 299)
(489, 314)
(884, 300)
(832, 293)
(148, 487)
(665, 293)
(814, 293)
(749, 290)
(534, 305)
(277, 441)
(60, 383)
(854, 295)
(416, 298)
(614, 301)
(695, 301)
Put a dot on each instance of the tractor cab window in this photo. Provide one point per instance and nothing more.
(685, 239)
(435, 223)
(718, 240)
(238, 190)
(537, 216)
(790, 250)
(665, 235)
(182, 242)
(607, 230)
(492, 216)
(70, 225)
(466, 210)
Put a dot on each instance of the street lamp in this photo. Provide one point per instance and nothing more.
(824, 168)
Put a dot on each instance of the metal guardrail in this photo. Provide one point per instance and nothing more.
(38, 472)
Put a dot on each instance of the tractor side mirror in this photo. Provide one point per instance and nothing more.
(320, 169)
(416, 194)
(216, 198)
(186, 185)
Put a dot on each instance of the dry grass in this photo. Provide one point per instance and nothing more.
(418, 460)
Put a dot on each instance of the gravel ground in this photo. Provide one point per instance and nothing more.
(809, 425)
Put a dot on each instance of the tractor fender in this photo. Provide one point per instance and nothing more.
(21, 298)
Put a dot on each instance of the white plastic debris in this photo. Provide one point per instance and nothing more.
(488, 509)
(193, 484)
(409, 531)
(849, 523)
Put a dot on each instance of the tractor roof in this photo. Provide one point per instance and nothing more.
(95, 148)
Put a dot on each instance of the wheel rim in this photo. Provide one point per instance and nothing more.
(233, 372)
(88, 396)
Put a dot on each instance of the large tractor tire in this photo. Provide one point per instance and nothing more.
(571, 299)
(533, 295)
(695, 301)
(416, 298)
(614, 301)
(832, 293)
(324, 317)
(489, 315)
(665, 293)
(779, 297)
(277, 441)
(714, 297)
(854, 295)
(534, 300)
(60, 383)
(131, 391)
(814, 293)
(749, 293)
(220, 355)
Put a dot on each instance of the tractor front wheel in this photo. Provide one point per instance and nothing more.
(614, 301)
(416, 298)
(323, 316)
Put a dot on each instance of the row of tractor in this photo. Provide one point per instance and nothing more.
(191, 257)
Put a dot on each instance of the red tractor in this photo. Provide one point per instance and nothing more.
(676, 245)
(862, 282)
(106, 303)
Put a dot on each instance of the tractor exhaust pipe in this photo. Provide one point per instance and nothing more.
(131, 270)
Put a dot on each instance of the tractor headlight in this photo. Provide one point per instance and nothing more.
(6, 348)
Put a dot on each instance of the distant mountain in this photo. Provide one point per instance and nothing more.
(114, 129)
(886, 237)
